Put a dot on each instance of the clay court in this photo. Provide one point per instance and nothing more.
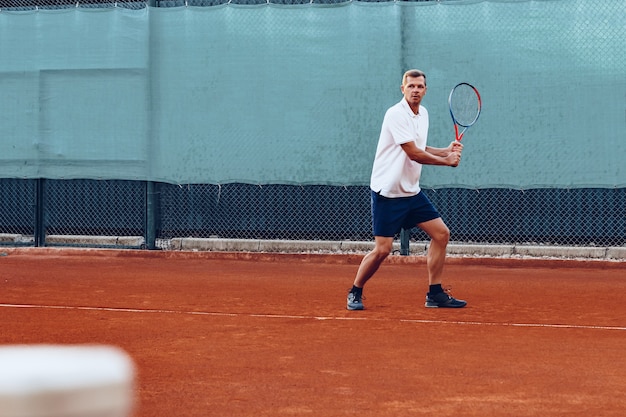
(239, 334)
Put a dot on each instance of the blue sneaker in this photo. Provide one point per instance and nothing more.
(354, 301)
(443, 300)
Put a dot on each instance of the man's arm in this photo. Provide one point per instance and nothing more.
(452, 147)
(439, 151)
(450, 156)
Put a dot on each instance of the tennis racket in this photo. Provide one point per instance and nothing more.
(465, 106)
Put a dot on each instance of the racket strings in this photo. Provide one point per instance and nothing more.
(464, 105)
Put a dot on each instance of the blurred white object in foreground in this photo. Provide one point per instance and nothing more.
(65, 381)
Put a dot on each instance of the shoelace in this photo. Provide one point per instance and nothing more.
(358, 297)
(448, 291)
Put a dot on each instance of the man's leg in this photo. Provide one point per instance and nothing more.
(436, 257)
(439, 237)
(372, 261)
(369, 265)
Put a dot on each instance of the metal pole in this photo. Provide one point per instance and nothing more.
(151, 216)
(40, 210)
(404, 242)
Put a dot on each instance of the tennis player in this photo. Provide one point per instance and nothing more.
(397, 200)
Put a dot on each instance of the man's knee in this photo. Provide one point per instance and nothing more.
(441, 234)
(383, 248)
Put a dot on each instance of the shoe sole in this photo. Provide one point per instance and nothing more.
(444, 306)
(355, 308)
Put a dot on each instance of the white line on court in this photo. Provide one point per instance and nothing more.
(288, 316)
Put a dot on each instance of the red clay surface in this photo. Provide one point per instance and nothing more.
(268, 335)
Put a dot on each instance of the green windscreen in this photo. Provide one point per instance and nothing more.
(296, 94)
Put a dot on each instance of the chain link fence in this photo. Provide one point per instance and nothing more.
(68, 212)
(74, 212)
(96, 208)
(17, 211)
(577, 217)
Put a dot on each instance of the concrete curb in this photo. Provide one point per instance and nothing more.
(415, 248)
(327, 247)
(123, 241)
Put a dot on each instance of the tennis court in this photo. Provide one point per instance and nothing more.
(239, 334)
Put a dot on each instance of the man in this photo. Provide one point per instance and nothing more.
(397, 200)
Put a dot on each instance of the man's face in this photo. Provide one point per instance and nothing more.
(414, 90)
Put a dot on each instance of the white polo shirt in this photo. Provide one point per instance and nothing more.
(394, 174)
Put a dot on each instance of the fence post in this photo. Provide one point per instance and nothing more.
(404, 242)
(40, 216)
(151, 204)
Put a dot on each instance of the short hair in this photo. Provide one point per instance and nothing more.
(414, 73)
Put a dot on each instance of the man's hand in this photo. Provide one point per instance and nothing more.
(455, 146)
(455, 149)
(454, 159)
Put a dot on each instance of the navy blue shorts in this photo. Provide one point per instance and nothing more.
(389, 215)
